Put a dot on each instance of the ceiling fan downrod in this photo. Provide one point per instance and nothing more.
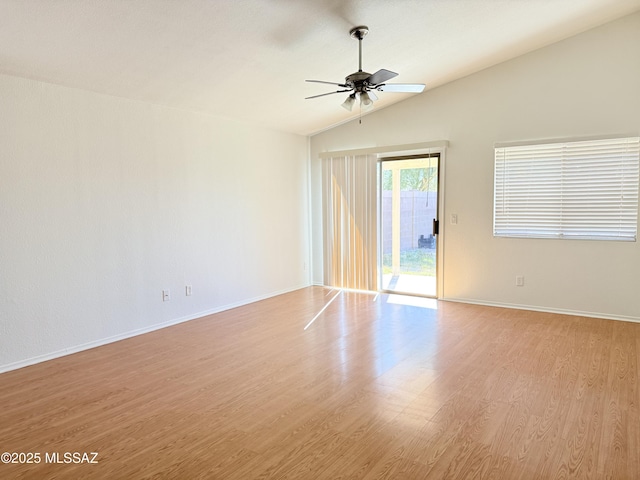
(359, 33)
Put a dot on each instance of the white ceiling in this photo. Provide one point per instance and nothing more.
(248, 59)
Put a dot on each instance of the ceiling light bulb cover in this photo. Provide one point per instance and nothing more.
(348, 103)
(366, 102)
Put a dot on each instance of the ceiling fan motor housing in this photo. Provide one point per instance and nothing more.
(357, 81)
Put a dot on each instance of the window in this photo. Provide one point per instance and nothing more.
(576, 190)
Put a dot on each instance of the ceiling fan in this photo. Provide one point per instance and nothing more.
(362, 84)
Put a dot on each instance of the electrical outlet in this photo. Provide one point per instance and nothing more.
(188, 291)
(454, 219)
(166, 295)
(519, 281)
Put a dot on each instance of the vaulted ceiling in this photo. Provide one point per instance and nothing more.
(248, 59)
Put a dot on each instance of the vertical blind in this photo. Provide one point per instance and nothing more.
(349, 221)
(581, 190)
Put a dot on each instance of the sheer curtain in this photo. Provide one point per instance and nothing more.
(350, 222)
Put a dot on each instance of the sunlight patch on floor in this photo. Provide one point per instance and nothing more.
(410, 301)
(323, 309)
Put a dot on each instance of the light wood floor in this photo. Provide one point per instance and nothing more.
(369, 390)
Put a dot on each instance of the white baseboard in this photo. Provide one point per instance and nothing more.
(578, 313)
(140, 331)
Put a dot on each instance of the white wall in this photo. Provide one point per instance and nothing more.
(105, 202)
(587, 85)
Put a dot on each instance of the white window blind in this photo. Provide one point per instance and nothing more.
(579, 190)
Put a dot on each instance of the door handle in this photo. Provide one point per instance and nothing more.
(436, 227)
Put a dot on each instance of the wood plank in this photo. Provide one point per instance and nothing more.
(369, 390)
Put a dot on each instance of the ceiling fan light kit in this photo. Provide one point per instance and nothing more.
(348, 103)
(362, 84)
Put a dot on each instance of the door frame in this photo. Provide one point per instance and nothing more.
(408, 155)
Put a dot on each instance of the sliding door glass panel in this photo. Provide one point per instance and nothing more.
(409, 208)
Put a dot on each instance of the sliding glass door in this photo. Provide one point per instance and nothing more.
(409, 224)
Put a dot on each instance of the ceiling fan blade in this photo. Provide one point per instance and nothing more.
(372, 95)
(324, 94)
(328, 83)
(381, 76)
(402, 87)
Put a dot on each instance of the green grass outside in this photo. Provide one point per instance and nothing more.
(418, 261)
